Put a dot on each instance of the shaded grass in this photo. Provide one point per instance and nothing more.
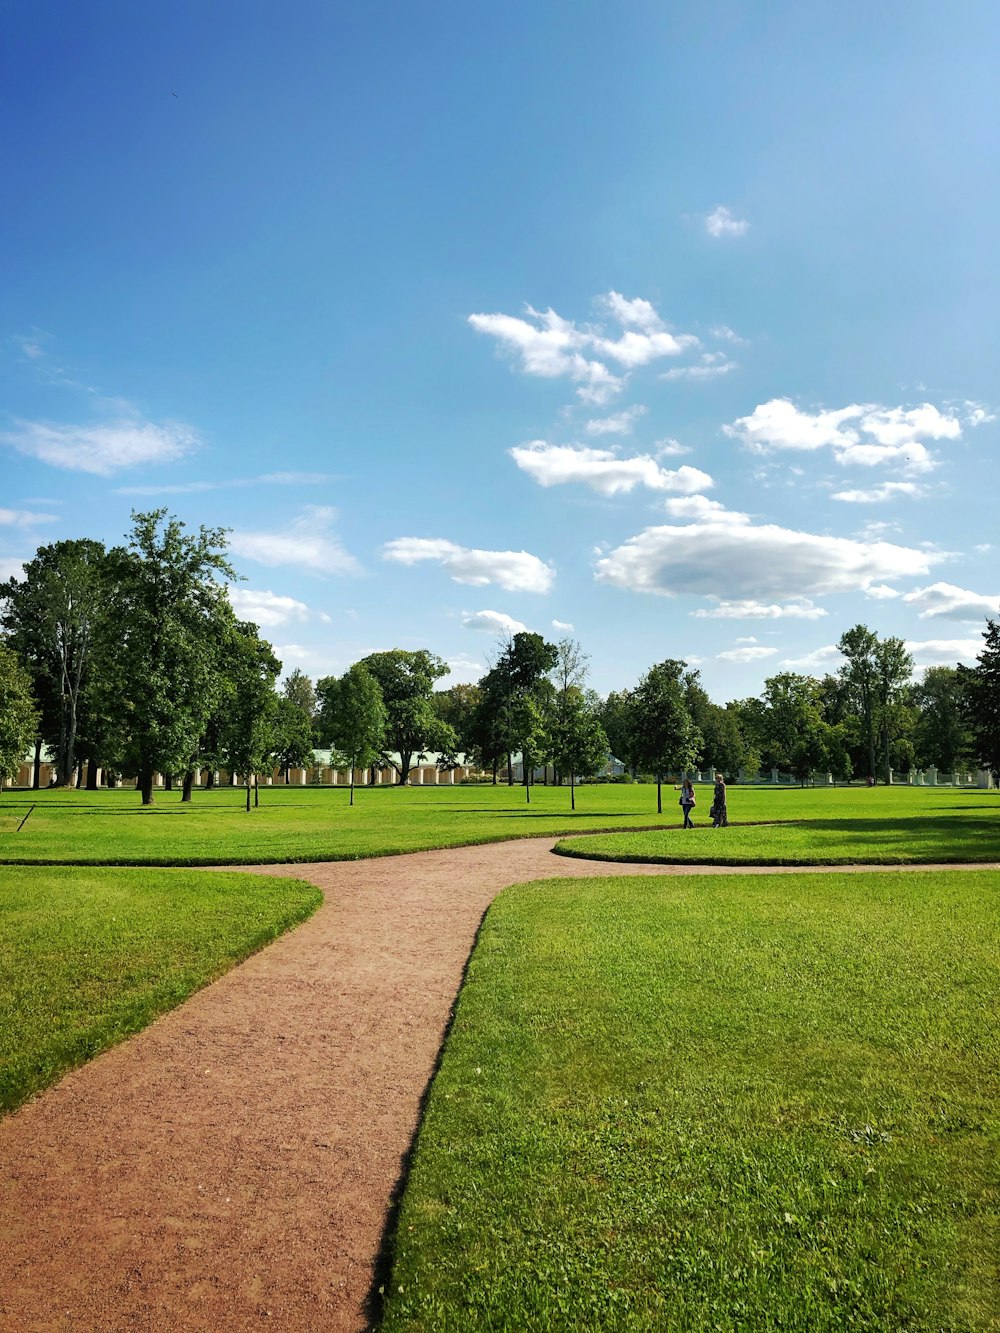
(308, 824)
(716, 1103)
(964, 835)
(88, 957)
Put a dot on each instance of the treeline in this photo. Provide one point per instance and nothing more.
(132, 660)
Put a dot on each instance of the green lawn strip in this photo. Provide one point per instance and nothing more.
(726, 1103)
(310, 824)
(88, 957)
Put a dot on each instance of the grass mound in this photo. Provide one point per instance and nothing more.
(88, 957)
(716, 1103)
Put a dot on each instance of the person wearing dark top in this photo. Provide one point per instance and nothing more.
(720, 815)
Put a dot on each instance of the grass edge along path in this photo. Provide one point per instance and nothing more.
(715, 1103)
(89, 957)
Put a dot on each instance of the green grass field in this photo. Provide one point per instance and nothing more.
(716, 1103)
(88, 957)
(309, 824)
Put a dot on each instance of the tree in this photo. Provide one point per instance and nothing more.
(942, 735)
(618, 718)
(359, 718)
(51, 615)
(18, 715)
(981, 689)
(667, 739)
(579, 746)
(293, 736)
(457, 706)
(248, 738)
(298, 689)
(406, 679)
(860, 646)
(893, 669)
(518, 672)
(156, 656)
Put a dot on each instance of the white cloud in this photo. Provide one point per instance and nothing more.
(11, 569)
(877, 494)
(517, 571)
(711, 365)
(803, 609)
(462, 671)
(232, 483)
(670, 448)
(602, 470)
(754, 563)
(748, 638)
(563, 625)
(103, 448)
(983, 547)
(865, 435)
(748, 654)
(881, 592)
(700, 507)
(308, 542)
(266, 609)
(619, 424)
(725, 334)
(492, 622)
(23, 518)
(720, 222)
(292, 655)
(827, 658)
(944, 652)
(550, 346)
(944, 600)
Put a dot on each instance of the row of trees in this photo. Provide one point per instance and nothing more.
(132, 660)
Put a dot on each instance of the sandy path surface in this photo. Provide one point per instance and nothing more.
(234, 1165)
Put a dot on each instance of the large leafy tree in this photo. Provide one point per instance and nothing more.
(893, 670)
(619, 720)
(157, 655)
(578, 744)
(406, 678)
(249, 736)
(519, 671)
(18, 715)
(942, 735)
(51, 615)
(667, 739)
(981, 689)
(359, 718)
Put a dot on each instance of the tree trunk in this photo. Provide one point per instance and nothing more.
(36, 768)
(256, 791)
(510, 771)
(188, 784)
(572, 791)
(91, 775)
(496, 769)
(352, 786)
(659, 795)
(210, 780)
(145, 783)
(248, 793)
(78, 782)
(168, 782)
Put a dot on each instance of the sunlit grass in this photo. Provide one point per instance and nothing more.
(88, 956)
(716, 1103)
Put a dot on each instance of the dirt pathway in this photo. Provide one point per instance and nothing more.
(233, 1166)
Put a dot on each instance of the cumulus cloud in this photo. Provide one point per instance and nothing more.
(619, 424)
(803, 609)
(881, 592)
(747, 654)
(23, 518)
(308, 542)
(720, 222)
(11, 569)
(517, 571)
(864, 435)
(944, 652)
(492, 622)
(563, 625)
(550, 346)
(603, 470)
(827, 658)
(265, 608)
(701, 507)
(945, 601)
(670, 448)
(759, 564)
(103, 448)
(462, 670)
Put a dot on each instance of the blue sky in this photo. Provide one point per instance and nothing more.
(668, 328)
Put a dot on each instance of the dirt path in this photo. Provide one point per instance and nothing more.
(233, 1166)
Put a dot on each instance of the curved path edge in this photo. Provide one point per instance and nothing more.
(234, 1165)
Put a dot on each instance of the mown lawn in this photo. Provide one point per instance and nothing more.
(726, 1103)
(88, 957)
(308, 824)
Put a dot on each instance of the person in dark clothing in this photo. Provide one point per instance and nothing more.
(687, 801)
(720, 814)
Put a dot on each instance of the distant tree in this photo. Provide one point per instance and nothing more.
(298, 689)
(618, 718)
(981, 690)
(51, 615)
(406, 679)
(942, 736)
(528, 730)
(18, 715)
(667, 739)
(457, 706)
(521, 666)
(293, 736)
(893, 669)
(248, 738)
(156, 656)
(578, 744)
(359, 719)
(861, 674)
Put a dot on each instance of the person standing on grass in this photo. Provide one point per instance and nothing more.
(720, 815)
(687, 801)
